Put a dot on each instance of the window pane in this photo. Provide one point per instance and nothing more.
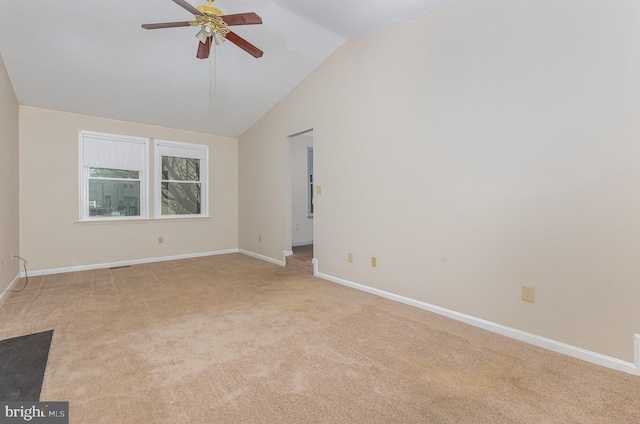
(180, 169)
(113, 173)
(114, 198)
(180, 198)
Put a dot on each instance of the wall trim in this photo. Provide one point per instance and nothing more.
(9, 287)
(264, 258)
(302, 243)
(126, 263)
(286, 253)
(543, 342)
(637, 353)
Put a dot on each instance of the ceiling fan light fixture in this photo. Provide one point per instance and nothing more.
(218, 38)
(205, 32)
(201, 37)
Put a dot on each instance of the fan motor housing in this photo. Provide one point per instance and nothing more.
(209, 10)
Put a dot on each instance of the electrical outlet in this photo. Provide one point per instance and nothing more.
(350, 257)
(374, 262)
(160, 239)
(528, 293)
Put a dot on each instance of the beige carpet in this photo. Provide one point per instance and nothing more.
(302, 259)
(231, 339)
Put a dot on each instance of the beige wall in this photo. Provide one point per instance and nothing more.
(473, 151)
(50, 235)
(9, 215)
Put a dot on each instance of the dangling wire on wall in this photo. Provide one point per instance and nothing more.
(26, 277)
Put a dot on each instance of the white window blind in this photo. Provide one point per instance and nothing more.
(113, 152)
(184, 151)
(113, 182)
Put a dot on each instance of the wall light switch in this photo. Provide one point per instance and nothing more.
(374, 262)
(1, 265)
(160, 239)
(318, 189)
(350, 257)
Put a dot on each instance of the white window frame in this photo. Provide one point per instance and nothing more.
(310, 182)
(142, 165)
(186, 150)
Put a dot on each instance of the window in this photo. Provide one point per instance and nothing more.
(181, 179)
(112, 176)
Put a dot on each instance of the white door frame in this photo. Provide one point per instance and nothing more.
(289, 192)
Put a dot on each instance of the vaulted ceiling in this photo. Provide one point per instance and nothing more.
(93, 57)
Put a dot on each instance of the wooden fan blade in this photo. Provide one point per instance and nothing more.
(187, 6)
(204, 49)
(244, 44)
(242, 19)
(167, 25)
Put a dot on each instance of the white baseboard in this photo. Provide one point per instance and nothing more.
(286, 253)
(543, 342)
(9, 287)
(127, 263)
(302, 243)
(563, 348)
(636, 357)
(262, 257)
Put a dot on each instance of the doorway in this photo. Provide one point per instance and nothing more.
(301, 195)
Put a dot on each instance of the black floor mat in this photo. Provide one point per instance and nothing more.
(22, 364)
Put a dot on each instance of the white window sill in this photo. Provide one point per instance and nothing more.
(142, 220)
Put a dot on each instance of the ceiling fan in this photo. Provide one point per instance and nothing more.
(213, 26)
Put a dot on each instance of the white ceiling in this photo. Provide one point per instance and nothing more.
(93, 57)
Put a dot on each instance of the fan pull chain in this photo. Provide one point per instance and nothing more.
(212, 73)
